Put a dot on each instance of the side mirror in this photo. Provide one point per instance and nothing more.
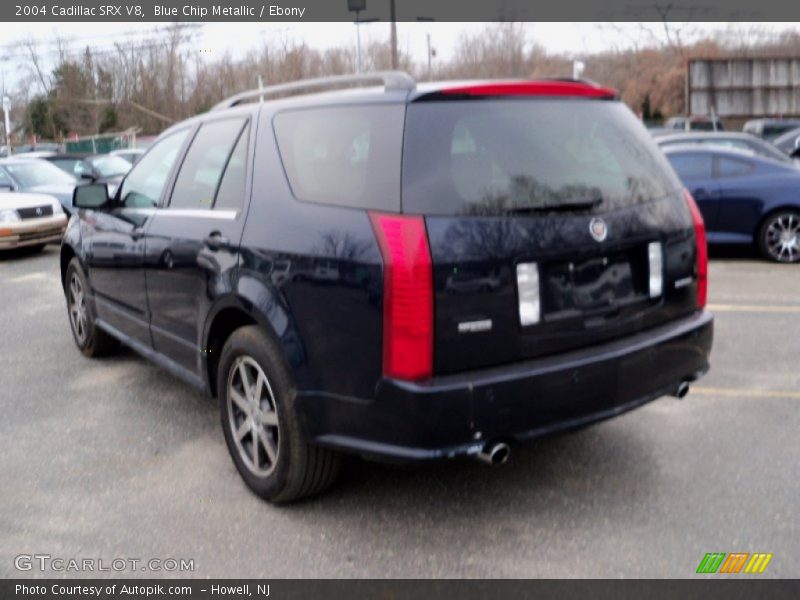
(91, 196)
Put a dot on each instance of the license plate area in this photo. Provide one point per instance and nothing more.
(594, 285)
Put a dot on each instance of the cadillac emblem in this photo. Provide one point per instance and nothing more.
(598, 229)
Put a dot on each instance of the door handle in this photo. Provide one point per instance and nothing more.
(215, 240)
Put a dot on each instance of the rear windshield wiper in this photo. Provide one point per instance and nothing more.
(575, 204)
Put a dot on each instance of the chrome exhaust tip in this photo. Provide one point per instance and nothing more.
(681, 390)
(494, 453)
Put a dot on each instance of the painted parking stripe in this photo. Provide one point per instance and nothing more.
(754, 308)
(744, 393)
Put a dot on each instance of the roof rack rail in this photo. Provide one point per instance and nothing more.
(392, 81)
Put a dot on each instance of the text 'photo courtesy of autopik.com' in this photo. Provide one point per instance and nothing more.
(399, 299)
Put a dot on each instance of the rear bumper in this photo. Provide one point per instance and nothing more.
(32, 232)
(457, 414)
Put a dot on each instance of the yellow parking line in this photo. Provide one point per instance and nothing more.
(758, 308)
(744, 393)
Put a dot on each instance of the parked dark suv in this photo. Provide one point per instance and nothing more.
(399, 272)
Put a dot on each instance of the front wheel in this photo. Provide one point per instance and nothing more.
(91, 341)
(260, 425)
(779, 237)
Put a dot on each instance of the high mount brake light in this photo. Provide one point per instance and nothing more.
(702, 250)
(407, 296)
(533, 88)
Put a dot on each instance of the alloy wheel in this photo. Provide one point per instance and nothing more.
(76, 303)
(252, 416)
(783, 237)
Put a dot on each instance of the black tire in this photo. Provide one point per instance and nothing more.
(292, 468)
(770, 243)
(91, 340)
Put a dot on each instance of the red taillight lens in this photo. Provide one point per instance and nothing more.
(702, 250)
(407, 296)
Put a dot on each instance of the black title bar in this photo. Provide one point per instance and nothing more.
(406, 10)
(702, 587)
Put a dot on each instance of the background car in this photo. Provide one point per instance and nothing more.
(38, 176)
(97, 168)
(789, 142)
(132, 155)
(730, 139)
(770, 129)
(744, 199)
(694, 124)
(31, 220)
(29, 148)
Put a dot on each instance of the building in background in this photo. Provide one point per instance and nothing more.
(738, 89)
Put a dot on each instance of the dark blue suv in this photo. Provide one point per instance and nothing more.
(401, 272)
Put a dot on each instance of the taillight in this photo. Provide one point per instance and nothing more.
(702, 250)
(407, 296)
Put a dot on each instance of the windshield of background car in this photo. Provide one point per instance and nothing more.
(488, 157)
(110, 166)
(36, 173)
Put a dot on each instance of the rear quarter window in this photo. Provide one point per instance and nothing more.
(345, 156)
(692, 166)
(733, 167)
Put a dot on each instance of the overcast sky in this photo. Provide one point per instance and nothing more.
(216, 38)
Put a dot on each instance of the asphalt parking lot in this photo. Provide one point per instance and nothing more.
(118, 459)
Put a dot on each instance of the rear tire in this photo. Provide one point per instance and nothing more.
(260, 424)
(92, 341)
(779, 237)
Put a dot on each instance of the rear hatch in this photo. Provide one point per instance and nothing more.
(553, 223)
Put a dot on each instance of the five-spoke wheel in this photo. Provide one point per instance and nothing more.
(260, 421)
(91, 340)
(76, 304)
(252, 416)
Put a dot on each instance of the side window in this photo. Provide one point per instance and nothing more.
(200, 173)
(143, 186)
(731, 167)
(346, 156)
(230, 194)
(691, 166)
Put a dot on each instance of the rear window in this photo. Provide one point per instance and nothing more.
(347, 156)
(490, 157)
